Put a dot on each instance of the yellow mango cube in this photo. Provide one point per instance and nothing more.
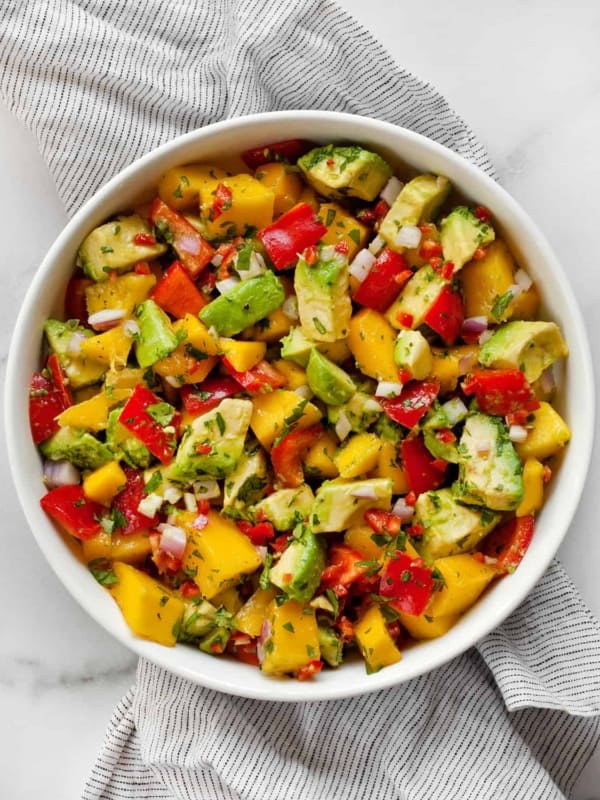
(185, 365)
(124, 292)
(319, 462)
(104, 483)
(533, 488)
(452, 362)
(424, 626)
(229, 599)
(375, 643)
(150, 609)
(308, 195)
(549, 433)
(285, 185)
(371, 340)
(358, 455)
(251, 207)
(120, 383)
(485, 280)
(132, 549)
(293, 640)
(272, 328)
(337, 351)
(296, 376)
(111, 347)
(271, 410)
(360, 538)
(198, 335)
(180, 187)
(465, 578)
(218, 555)
(91, 415)
(389, 466)
(242, 355)
(343, 227)
(249, 619)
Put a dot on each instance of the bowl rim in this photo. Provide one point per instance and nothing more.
(453, 646)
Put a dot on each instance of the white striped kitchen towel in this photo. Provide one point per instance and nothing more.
(100, 82)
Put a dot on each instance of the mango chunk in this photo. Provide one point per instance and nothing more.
(375, 643)
(285, 185)
(91, 415)
(242, 355)
(343, 227)
(111, 347)
(180, 187)
(533, 488)
(452, 362)
(271, 410)
(358, 455)
(549, 433)
(425, 626)
(319, 459)
(465, 578)
(251, 206)
(104, 483)
(389, 466)
(124, 292)
(371, 340)
(132, 549)
(249, 619)
(293, 639)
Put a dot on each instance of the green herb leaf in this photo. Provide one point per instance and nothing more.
(161, 413)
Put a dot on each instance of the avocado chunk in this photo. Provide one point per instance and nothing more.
(296, 347)
(418, 202)
(332, 647)
(336, 506)
(439, 449)
(413, 353)
(112, 247)
(77, 446)
(388, 430)
(198, 620)
(462, 233)
(126, 447)
(361, 411)
(248, 481)
(156, 339)
(298, 571)
(286, 507)
(490, 471)
(338, 172)
(417, 297)
(222, 429)
(531, 346)
(323, 294)
(244, 305)
(328, 381)
(62, 338)
(449, 527)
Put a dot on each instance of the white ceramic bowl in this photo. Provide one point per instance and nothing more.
(575, 401)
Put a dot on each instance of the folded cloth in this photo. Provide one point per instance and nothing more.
(100, 82)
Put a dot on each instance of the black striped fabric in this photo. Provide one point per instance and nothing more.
(100, 82)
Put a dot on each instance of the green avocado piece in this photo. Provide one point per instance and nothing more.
(388, 430)
(157, 338)
(126, 447)
(336, 507)
(338, 172)
(111, 247)
(296, 347)
(449, 527)
(286, 507)
(417, 297)
(298, 571)
(328, 381)
(222, 429)
(79, 370)
(77, 446)
(531, 346)
(412, 352)
(198, 620)
(361, 411)
(446, 450)
(461, 233)
(245, 304)
(247, 483)
(418, 202)
(332, 646)
(490, 471)
(323, 294)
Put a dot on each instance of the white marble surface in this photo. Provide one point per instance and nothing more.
(526, 78)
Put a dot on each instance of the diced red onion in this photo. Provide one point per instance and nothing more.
(290, 307)
(75, 341)
(408, 236)
(304, 391)
(547, 381)
(190, 244)
(172, 494)
(361, 265)
(523, 280)
(388, 389)
(343, 426)
(217, 260)
(149, 505)
(106, 319)
(328, 252)
(490, 560)
(131, 328)
(391, 190)
(466, 362)
(474, 325)
(189, 501)
(262, 552)
(60, 473)
(483, 337)
(173, 540)
(366, 492)
(515, 290)
(256, 267)
(455, 410)
(206, 489)
(172, 380)
(517, 433)
(226, 285)
(377, 245)
(200, 522)
(372, 406)
(402, 510)
(265, 632)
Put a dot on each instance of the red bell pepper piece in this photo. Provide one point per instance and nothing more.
(177, 294)
(289, 150)
(59, 380)
(500, 391)
(166, 563)
(69, 506)
(446, 315)
(75, 305)
(382, 521)
(344, 567)
(193, 250)
(290, 234)
(127, 502)
(412, 403)
(509, 542)
(258, 534)
(46, 401)
(261, 378)
(384, 281)
(200, 398)
(243, 647)
(309, 670)
(287, 455)
(137, 419)
(423, 472)
(407, 582)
